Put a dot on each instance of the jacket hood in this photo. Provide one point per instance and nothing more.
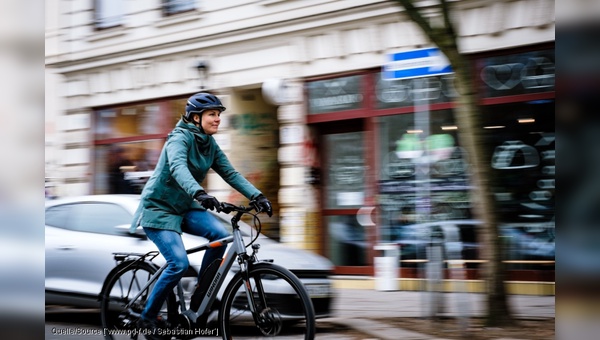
(189, 126)
(201, 137)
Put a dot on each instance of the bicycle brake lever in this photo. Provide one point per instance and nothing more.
(254, 204)
(227, 207)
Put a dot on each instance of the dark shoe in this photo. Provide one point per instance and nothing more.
(209, 318)
(151, 329)
(213, 314)
(216, 305)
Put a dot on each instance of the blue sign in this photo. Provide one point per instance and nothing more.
(416, 63)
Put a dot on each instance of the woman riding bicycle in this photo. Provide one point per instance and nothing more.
(173, 201)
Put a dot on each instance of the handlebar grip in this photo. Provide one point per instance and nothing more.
(227, 207)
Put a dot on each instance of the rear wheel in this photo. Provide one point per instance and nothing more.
(122, 285)
(283, 306)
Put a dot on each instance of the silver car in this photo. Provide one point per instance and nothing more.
(82, 233)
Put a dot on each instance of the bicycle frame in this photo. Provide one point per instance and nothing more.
(230, 256)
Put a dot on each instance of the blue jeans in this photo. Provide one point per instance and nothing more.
(170, 245)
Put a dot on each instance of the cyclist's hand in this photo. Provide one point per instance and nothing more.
(208, 201)
(264, 204)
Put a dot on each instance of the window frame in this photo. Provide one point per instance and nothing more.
(100, 19)
(166, 11)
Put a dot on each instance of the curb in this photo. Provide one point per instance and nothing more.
(379, 330)
(376, 330)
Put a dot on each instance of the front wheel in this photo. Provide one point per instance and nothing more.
(283, 306)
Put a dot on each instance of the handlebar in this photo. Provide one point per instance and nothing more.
(241, 210)
(229, 207)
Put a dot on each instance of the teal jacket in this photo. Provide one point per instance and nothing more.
(184, 161)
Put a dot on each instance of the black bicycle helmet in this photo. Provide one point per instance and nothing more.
(200, 102)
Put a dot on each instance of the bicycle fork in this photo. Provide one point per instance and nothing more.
(264, 318)
(249, 291)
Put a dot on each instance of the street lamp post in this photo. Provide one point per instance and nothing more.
(202, 68)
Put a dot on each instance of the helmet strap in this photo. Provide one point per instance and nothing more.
(192, 121)
(197, 123)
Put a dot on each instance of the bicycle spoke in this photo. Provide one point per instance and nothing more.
(282, 307)
(121, 288)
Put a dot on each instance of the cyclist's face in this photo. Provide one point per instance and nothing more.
(210, 121)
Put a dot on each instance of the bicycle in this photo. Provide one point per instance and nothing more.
(261, 294)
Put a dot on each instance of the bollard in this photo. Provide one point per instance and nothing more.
(434, 270)
(386, 266)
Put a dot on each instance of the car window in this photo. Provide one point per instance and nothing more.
(57, 216)
(98, 217)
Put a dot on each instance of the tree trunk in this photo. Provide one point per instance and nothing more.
(471, 137)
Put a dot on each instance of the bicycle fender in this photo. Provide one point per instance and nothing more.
(259, 264)
(269, 264)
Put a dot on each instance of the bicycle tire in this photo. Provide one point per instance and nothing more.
(122, 284)
(287, 309)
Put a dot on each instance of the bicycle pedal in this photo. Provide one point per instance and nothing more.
(183, 322)
(190, 316)
(126, 321)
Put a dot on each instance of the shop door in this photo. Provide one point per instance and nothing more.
(344, 193)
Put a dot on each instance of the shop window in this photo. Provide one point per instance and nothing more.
(108, 13)
(348, 242)
(124, 168)
(423, 173)
(128, 141)
(344, 183)
(521, 140)
(519, 73)
(338, 94)
(345, 176)
(174, 110)
(423, 180)
(408, 92)
(127, 121)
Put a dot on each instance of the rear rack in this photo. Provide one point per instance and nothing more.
(120, 257)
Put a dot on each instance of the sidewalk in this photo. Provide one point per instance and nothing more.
(360, 309)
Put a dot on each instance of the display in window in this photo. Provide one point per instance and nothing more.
(336, 94)
(118, 166)
(520, 73)
(347, 241)
(407, 92)
(522, 148)
(424, 173)
(515, 155)
(127, 122)
(345, 177)
(124, 168)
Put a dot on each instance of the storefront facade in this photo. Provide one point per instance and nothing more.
(309, 119)
(396, 169)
